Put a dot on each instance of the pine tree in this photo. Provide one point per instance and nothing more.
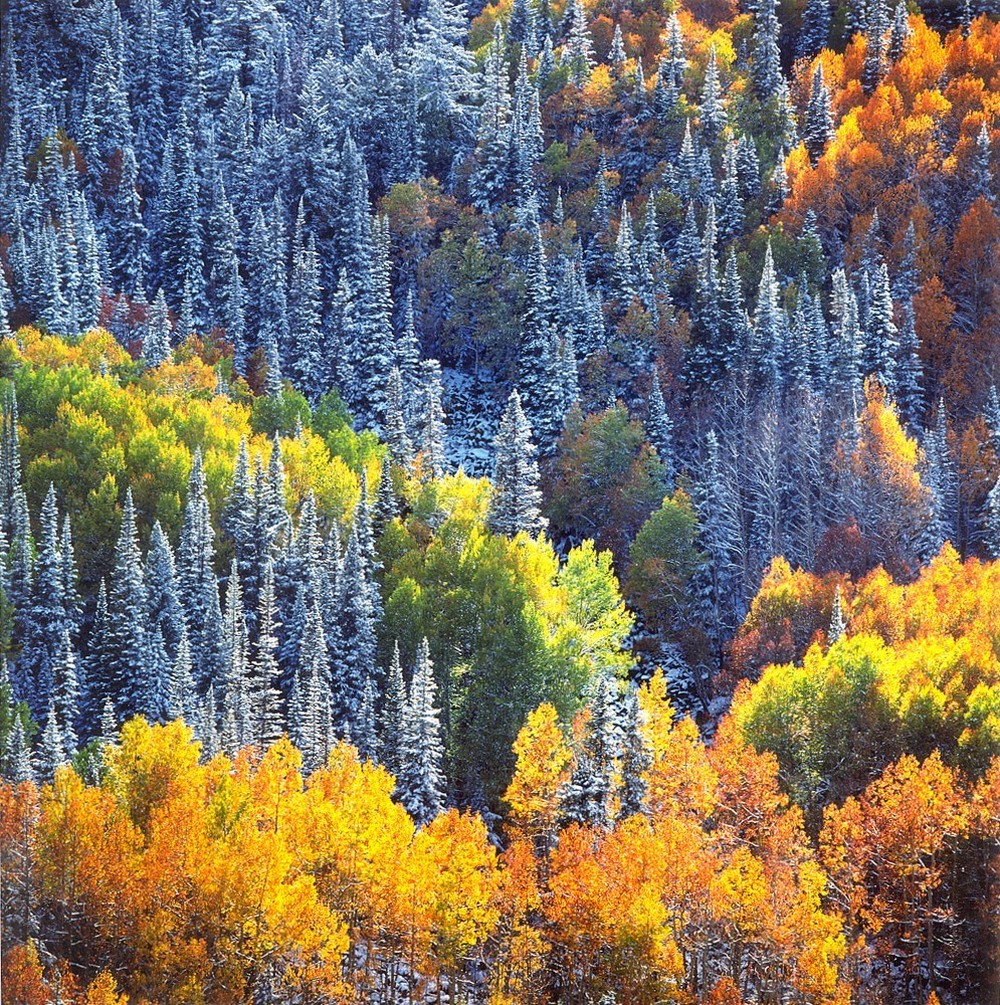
(235, 649)
(432, 422)
(900, 33)
(45, 616)
(395, 432)
(818, 126)
(268, 317)
(66, 691)
(713, 111)
(393, 716)
(537, 374)
(263, 694)
(181, 698)
(636, 758)
(767, 55)
(515, 503)
(768, 346)
(660, 429)
(838, 623)
(365, 735)
(909, 372)
(876, 61)
(51, 752)
(983, 173)
(444, 82)
(165, 611)
(156, 344)
(237, 517)
(814, 34)
(588, 796)
(881, 335)
(420, 785)
(198, 587)
(578, 54)
(17, 766)
(6, 305)
(127, 605)
(305, 363)
(991, 414)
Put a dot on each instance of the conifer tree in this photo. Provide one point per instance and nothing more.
(515, 503)
(365, 735)
(45, 617)
(393, 716)
(768, 347)
(198, 587)
(815, 31)
(420, 784)
(395, 432)
(881, 334)
(713, 111)
(127, 606)
(432, 423)
(156, 344)
(165, 611)
(636, 758)
(578, 54)
(588, 797)
(51, 753)
(876, 54)
(767, 55)
(234, 645)
(263, 694)
(181, 694)
(66, 691)
(838, 623)
(6, 304)
(305, 364)
(818, 127)
(661, 431)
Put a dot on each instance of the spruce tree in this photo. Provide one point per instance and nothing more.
(51, 752)
(181, 698)
(515, 503)
(126, 626)
(713, 111)
(165, 611)
(588, 796)
(767, 55)
(660, 429)
(432, 422)
(814, 34)
(420, 785)
(838, 623)
(818, 127)
(66, 691)
(768, 346)
(636, 758)
(196, 578)
(578, 54)
(393, 716)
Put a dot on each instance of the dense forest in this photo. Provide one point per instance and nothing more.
(499, 503)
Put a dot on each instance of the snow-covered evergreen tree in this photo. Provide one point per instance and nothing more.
(420, 784)
(516, 500)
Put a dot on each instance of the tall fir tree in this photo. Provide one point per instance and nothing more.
(516, 499)
(420, 784)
